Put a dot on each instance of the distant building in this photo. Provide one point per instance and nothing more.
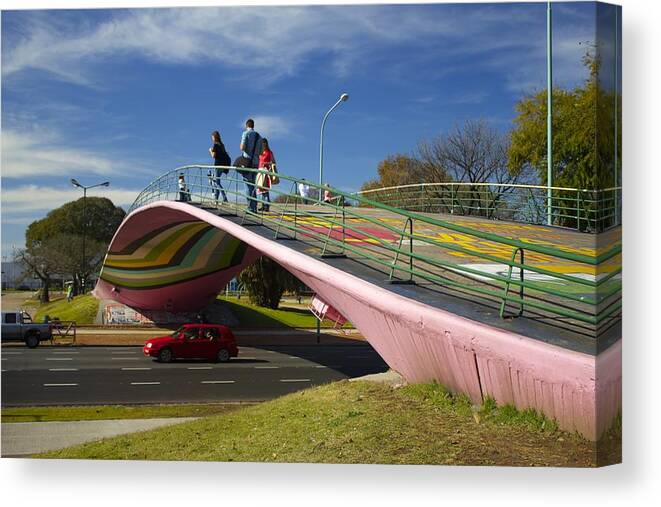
(13, 277)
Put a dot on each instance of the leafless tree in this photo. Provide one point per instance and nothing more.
(473, 152)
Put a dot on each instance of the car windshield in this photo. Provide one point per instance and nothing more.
(177, 332)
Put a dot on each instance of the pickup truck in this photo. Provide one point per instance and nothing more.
(18, 326)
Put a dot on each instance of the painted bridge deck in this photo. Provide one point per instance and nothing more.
(534, 324)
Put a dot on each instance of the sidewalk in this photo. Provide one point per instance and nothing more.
(24, 439)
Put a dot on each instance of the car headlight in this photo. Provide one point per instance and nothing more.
(149, 345)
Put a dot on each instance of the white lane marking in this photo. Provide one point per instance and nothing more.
(266, 367)
(218, 382)
(126, 358)
(62, 369)
(145, 383)
(59, 359)
(12, 353)
(200, 368)
(67, 353)
(248, 357)
(295, 380)
(135, 369)
(321, 366)
(59, 385)
(126, 352)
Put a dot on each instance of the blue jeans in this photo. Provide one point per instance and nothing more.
(249, 179)
(218, 189)
(265, 199)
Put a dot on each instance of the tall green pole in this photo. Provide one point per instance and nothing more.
(615, 87)
(549, 127)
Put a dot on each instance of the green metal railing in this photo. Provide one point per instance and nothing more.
(587, 304)
(580, 209)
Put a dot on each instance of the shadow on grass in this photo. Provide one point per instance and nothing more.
(250, 316)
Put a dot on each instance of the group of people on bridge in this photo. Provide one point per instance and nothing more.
(255, 154)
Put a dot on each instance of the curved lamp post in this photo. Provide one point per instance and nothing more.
(75, 183)
(343, 98)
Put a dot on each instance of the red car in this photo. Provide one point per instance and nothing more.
(194, 341)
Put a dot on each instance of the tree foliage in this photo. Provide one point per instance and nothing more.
(266, 281)
(54, 244)
(583, 134)
(102, 218)
(397, 170)
(472, 152)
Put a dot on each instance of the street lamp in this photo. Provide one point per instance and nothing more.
(343, 98)
(75, 183)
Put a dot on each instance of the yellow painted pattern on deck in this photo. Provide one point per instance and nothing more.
(564, 240)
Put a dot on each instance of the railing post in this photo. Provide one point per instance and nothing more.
(409, 224)
(578, 210)
(236, 193)
(507, 284)
(344, 226)
(410, 250)
(295, 216)
(451, 199)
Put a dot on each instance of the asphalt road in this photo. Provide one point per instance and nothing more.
(122, 375)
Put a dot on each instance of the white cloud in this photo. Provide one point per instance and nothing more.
(26, 153)
(273, 41)
(34, 201)
(272, 127)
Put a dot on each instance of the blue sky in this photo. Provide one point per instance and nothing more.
(128, 94)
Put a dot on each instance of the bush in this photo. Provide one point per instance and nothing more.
(266, 281)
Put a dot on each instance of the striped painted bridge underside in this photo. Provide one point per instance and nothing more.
(172, 254)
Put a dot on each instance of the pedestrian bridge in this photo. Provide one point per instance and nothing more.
(527, 314)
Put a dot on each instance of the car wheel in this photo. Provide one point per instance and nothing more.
(32, 340)
(165, 356)
(223, 355)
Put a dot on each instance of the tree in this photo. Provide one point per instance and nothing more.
(397, 170)
(266, 281)
(474, 152)
(583, 138)
(39, 261)
(54, 243)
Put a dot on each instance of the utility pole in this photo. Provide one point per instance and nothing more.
(549, 118)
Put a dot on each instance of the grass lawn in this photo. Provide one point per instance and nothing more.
(90, 413)
(361, 422)
(251, 316)
(82, 309)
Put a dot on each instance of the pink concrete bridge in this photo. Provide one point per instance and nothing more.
(427, 294)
